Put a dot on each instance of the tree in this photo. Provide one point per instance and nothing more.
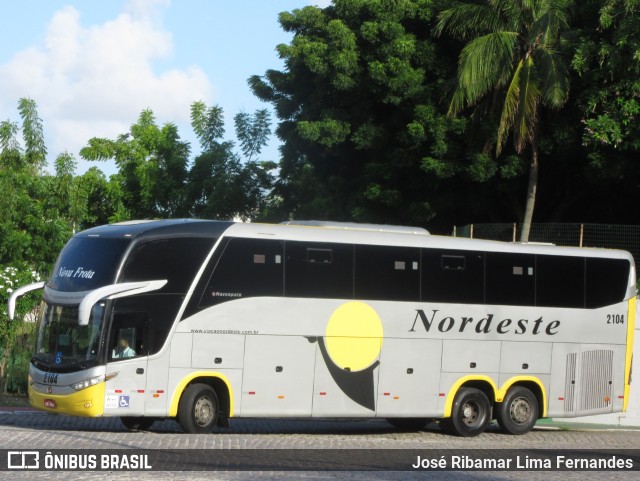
(33, 133)
(152, 163)
(10, 151)
(12, 277)
(511, 63)
(31, 228)
(360, 112)
(607, 62)
(220, 184)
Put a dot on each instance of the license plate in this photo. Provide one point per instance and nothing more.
(49, 403)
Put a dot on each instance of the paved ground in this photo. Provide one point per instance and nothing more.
(28, 430)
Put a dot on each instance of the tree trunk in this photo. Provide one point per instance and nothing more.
(531, 193)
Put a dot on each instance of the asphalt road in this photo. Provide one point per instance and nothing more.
(303, 449)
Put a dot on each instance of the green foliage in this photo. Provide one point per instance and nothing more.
(152, 164)
(33, 133)
(220, 184)
(512, 60)
(359, 109)
(207, 123)
(253, 132)
(16, 346)
(512, 49)
(18, 360)
(607, 60)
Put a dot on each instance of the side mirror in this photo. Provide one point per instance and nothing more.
(11, 303)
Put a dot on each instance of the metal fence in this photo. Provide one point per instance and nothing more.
(625, 237)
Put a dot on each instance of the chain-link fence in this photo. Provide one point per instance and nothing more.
(625, 237)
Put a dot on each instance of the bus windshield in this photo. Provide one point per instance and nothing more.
(62, 343)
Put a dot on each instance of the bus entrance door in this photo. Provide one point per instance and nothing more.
(127, 367)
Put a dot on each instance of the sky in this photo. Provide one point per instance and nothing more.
(92, 66)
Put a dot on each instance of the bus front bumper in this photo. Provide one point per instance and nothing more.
(87, 402)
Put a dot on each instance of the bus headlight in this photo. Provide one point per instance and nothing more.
(78, 386)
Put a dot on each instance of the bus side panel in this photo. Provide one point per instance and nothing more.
(338, 392)
(278, 376)
(409, 378)
(181, 349)
(156, 397)
(469, 357)
(217, 351)
(525, 358)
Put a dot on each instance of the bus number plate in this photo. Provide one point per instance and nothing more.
(51, 378)
(615, 318)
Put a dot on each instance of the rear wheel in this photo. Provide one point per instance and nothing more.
(198, 409)
(470, 414)
(518, 413)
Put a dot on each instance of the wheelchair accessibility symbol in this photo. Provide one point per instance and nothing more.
(124, 401)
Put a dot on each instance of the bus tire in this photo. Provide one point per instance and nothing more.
(136, 423)
(470, 414)
(408, 424)
(518, 412)
(198, 409)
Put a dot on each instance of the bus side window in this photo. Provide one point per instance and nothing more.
(246, 268)
(510, 279)
(387, 273)
(127, 344)
(452, 276)
(322, 270)
(128, 336)
(606, 281)
(560, 281)
(453, 263)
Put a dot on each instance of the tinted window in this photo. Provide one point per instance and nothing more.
(560, 281)
(176, 259)
(246, 268)
(319, 270)
(607, 281)
(387, 273)
(510, 279)
(87, 263)
(452, 276)
(143, 323)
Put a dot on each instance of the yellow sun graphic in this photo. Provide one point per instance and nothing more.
(354, 336)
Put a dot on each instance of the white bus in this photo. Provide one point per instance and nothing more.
(203, 321)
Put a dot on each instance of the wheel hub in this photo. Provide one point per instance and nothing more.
(520, 411)
(470, 413)
(203, 411)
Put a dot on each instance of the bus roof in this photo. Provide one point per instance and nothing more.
(159, 228)
(410, 237)
(339, 232)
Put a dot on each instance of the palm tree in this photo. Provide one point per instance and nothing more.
(511, 61)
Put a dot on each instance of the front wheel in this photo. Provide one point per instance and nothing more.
(198, 409)
(518, 413)
(470, 414)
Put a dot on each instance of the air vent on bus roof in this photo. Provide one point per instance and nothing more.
(357, 226)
